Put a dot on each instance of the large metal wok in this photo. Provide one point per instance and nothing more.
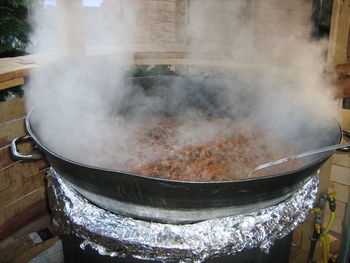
(181, 201)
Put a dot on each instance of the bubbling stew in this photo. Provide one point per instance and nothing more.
(228, 154)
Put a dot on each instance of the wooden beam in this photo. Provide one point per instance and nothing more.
(11, 83)
(12, 109)
(339, 35)
(345, 119)
(70, 26)
(180, 21)
(10, 130)
(21, 204)
(28, 215)
(17, 67)
(5, 158)
(21, 182)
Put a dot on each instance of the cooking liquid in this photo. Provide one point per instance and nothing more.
(226, 156)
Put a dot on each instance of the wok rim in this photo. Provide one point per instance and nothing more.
(72, 162)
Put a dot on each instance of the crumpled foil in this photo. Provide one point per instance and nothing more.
(115, 235)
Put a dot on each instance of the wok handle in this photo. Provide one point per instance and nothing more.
(299, 156)
(345, 149)
(24, 156)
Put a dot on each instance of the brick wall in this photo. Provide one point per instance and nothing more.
(244, 27)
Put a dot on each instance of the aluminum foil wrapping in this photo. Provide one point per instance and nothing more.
(116, 235)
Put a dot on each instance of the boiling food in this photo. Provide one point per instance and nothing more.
(228, 154)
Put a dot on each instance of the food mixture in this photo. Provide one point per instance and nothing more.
(225, 156)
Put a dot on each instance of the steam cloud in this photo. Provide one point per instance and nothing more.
(85, 57)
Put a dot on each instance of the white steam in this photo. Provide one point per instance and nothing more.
(86, 55)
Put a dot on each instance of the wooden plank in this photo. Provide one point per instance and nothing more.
(18, 221)
(155, 6)
(158, 27)
(11, 83)
(5, 182)
(286, 4)
(151, 34)
(283, 29)
(17, 67)
(340, 174)
(20, 205)
(297, 237)
(269, 42)
(159, 55)
(180, 21)
(301, 17)
(10, 130)
(341, 159)
(342, 191)
(348, 48)
(339, 35)
(12, 109)
(343, 88)
(343, 69)
(297, 255)
(164, 17)
(10, 74)
(345, 119)
(208, 7)
(22, 179)
(219, 14)
(164, 36)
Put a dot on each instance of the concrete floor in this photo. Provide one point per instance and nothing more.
(53, 255)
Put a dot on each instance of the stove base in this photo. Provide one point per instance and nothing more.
(279, 253)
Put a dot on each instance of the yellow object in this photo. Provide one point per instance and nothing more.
(316, 210)
(324, 237)
(330, 223)
(318, 228)
(332, 195)
(324, 250)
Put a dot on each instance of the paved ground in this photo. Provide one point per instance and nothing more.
(53, 255)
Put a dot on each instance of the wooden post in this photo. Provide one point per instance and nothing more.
(339, 35)
(70, 28)
(181, 22)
